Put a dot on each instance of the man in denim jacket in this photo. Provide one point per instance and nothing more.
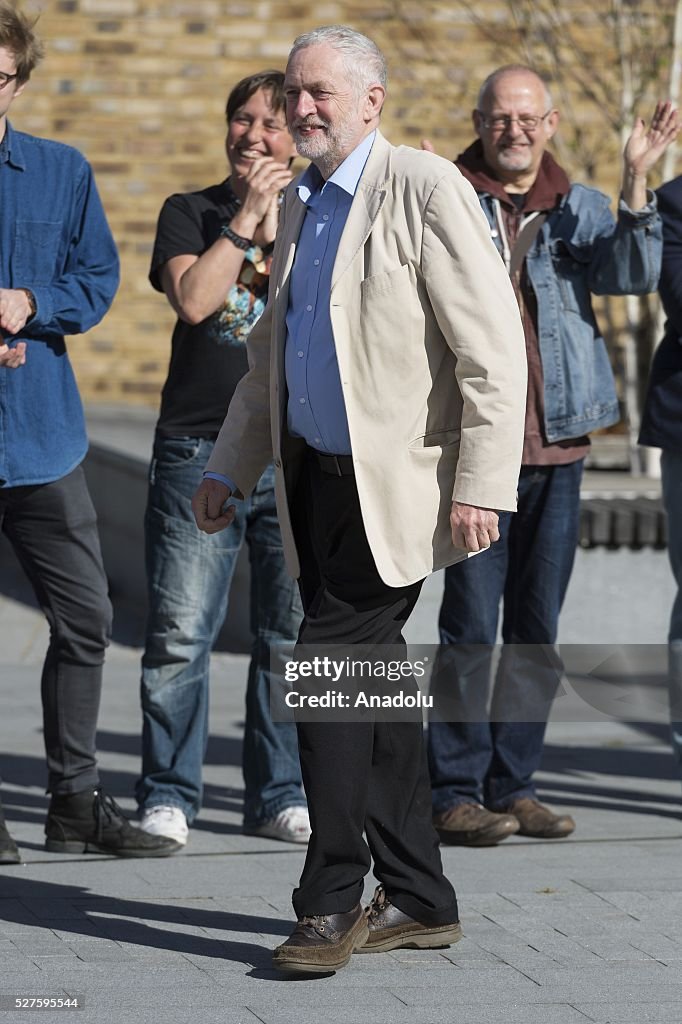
(560, 243)
(58, 275)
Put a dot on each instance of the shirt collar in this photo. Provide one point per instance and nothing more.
(346, 176)
(10, 149)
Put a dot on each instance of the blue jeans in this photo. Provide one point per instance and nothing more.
(671, 474)
(189, 575)
(491, 756)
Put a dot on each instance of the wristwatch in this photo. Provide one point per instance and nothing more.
(238, 240)
(31, 302)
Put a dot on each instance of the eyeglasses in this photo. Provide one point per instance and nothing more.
(502, 122)
(5, 79)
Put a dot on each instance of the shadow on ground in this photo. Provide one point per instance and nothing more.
(87, 916)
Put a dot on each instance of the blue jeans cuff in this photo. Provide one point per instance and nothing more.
(271, 811)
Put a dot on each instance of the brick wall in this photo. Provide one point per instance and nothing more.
(139, 86)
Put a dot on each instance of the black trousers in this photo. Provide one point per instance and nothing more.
(53, 530)
(368, 776)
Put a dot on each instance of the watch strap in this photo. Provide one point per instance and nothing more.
(238, 240)
(31, 301)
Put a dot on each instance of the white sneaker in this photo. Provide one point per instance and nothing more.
(162, 820)
(292, 825)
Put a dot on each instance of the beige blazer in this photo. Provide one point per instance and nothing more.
(431, 355)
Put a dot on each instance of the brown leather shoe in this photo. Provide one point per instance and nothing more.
(390, 928)
(473, 825)
(323, 943)
(537, 820)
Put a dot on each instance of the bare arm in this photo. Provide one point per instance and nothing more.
(196, 286)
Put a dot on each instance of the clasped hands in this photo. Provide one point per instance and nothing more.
(15, 309)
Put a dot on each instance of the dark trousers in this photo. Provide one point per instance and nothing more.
(366, 776)
(53, 530)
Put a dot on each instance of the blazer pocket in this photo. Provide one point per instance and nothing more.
(435, 439)
(392, 321)
(385, 284)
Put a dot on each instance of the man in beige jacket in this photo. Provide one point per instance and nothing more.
(388, 377)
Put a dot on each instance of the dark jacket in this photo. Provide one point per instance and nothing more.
(662, 419)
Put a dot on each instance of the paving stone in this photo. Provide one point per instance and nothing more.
(619, 1012)
(41, 947)
(502, 984)
(556, 933)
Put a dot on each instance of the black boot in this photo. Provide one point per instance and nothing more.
(92, 822)
(9, 853)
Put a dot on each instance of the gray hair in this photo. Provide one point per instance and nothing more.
(507, 69)
(362, 57)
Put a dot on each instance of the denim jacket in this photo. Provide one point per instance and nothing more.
(581, 249)
(55, 241)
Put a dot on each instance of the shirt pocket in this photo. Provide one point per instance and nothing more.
(36, 252)
(571, 272)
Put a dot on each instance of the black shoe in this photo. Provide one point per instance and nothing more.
(390, 928)
(9, 854)
(322, 944)
(92, 822)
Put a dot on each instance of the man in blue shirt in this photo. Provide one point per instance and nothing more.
(387, 376)
(58, 275)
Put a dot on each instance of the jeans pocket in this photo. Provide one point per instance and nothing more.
(170, 452)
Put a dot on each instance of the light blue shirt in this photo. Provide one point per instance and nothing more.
(316, 410)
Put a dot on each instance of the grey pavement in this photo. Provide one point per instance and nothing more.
(585, 929)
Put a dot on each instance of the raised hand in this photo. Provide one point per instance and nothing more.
(646, 146)
(265, 180)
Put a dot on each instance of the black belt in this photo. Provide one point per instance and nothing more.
(337, 465)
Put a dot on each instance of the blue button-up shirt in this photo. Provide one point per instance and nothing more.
(55, 241)
(316, 410)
